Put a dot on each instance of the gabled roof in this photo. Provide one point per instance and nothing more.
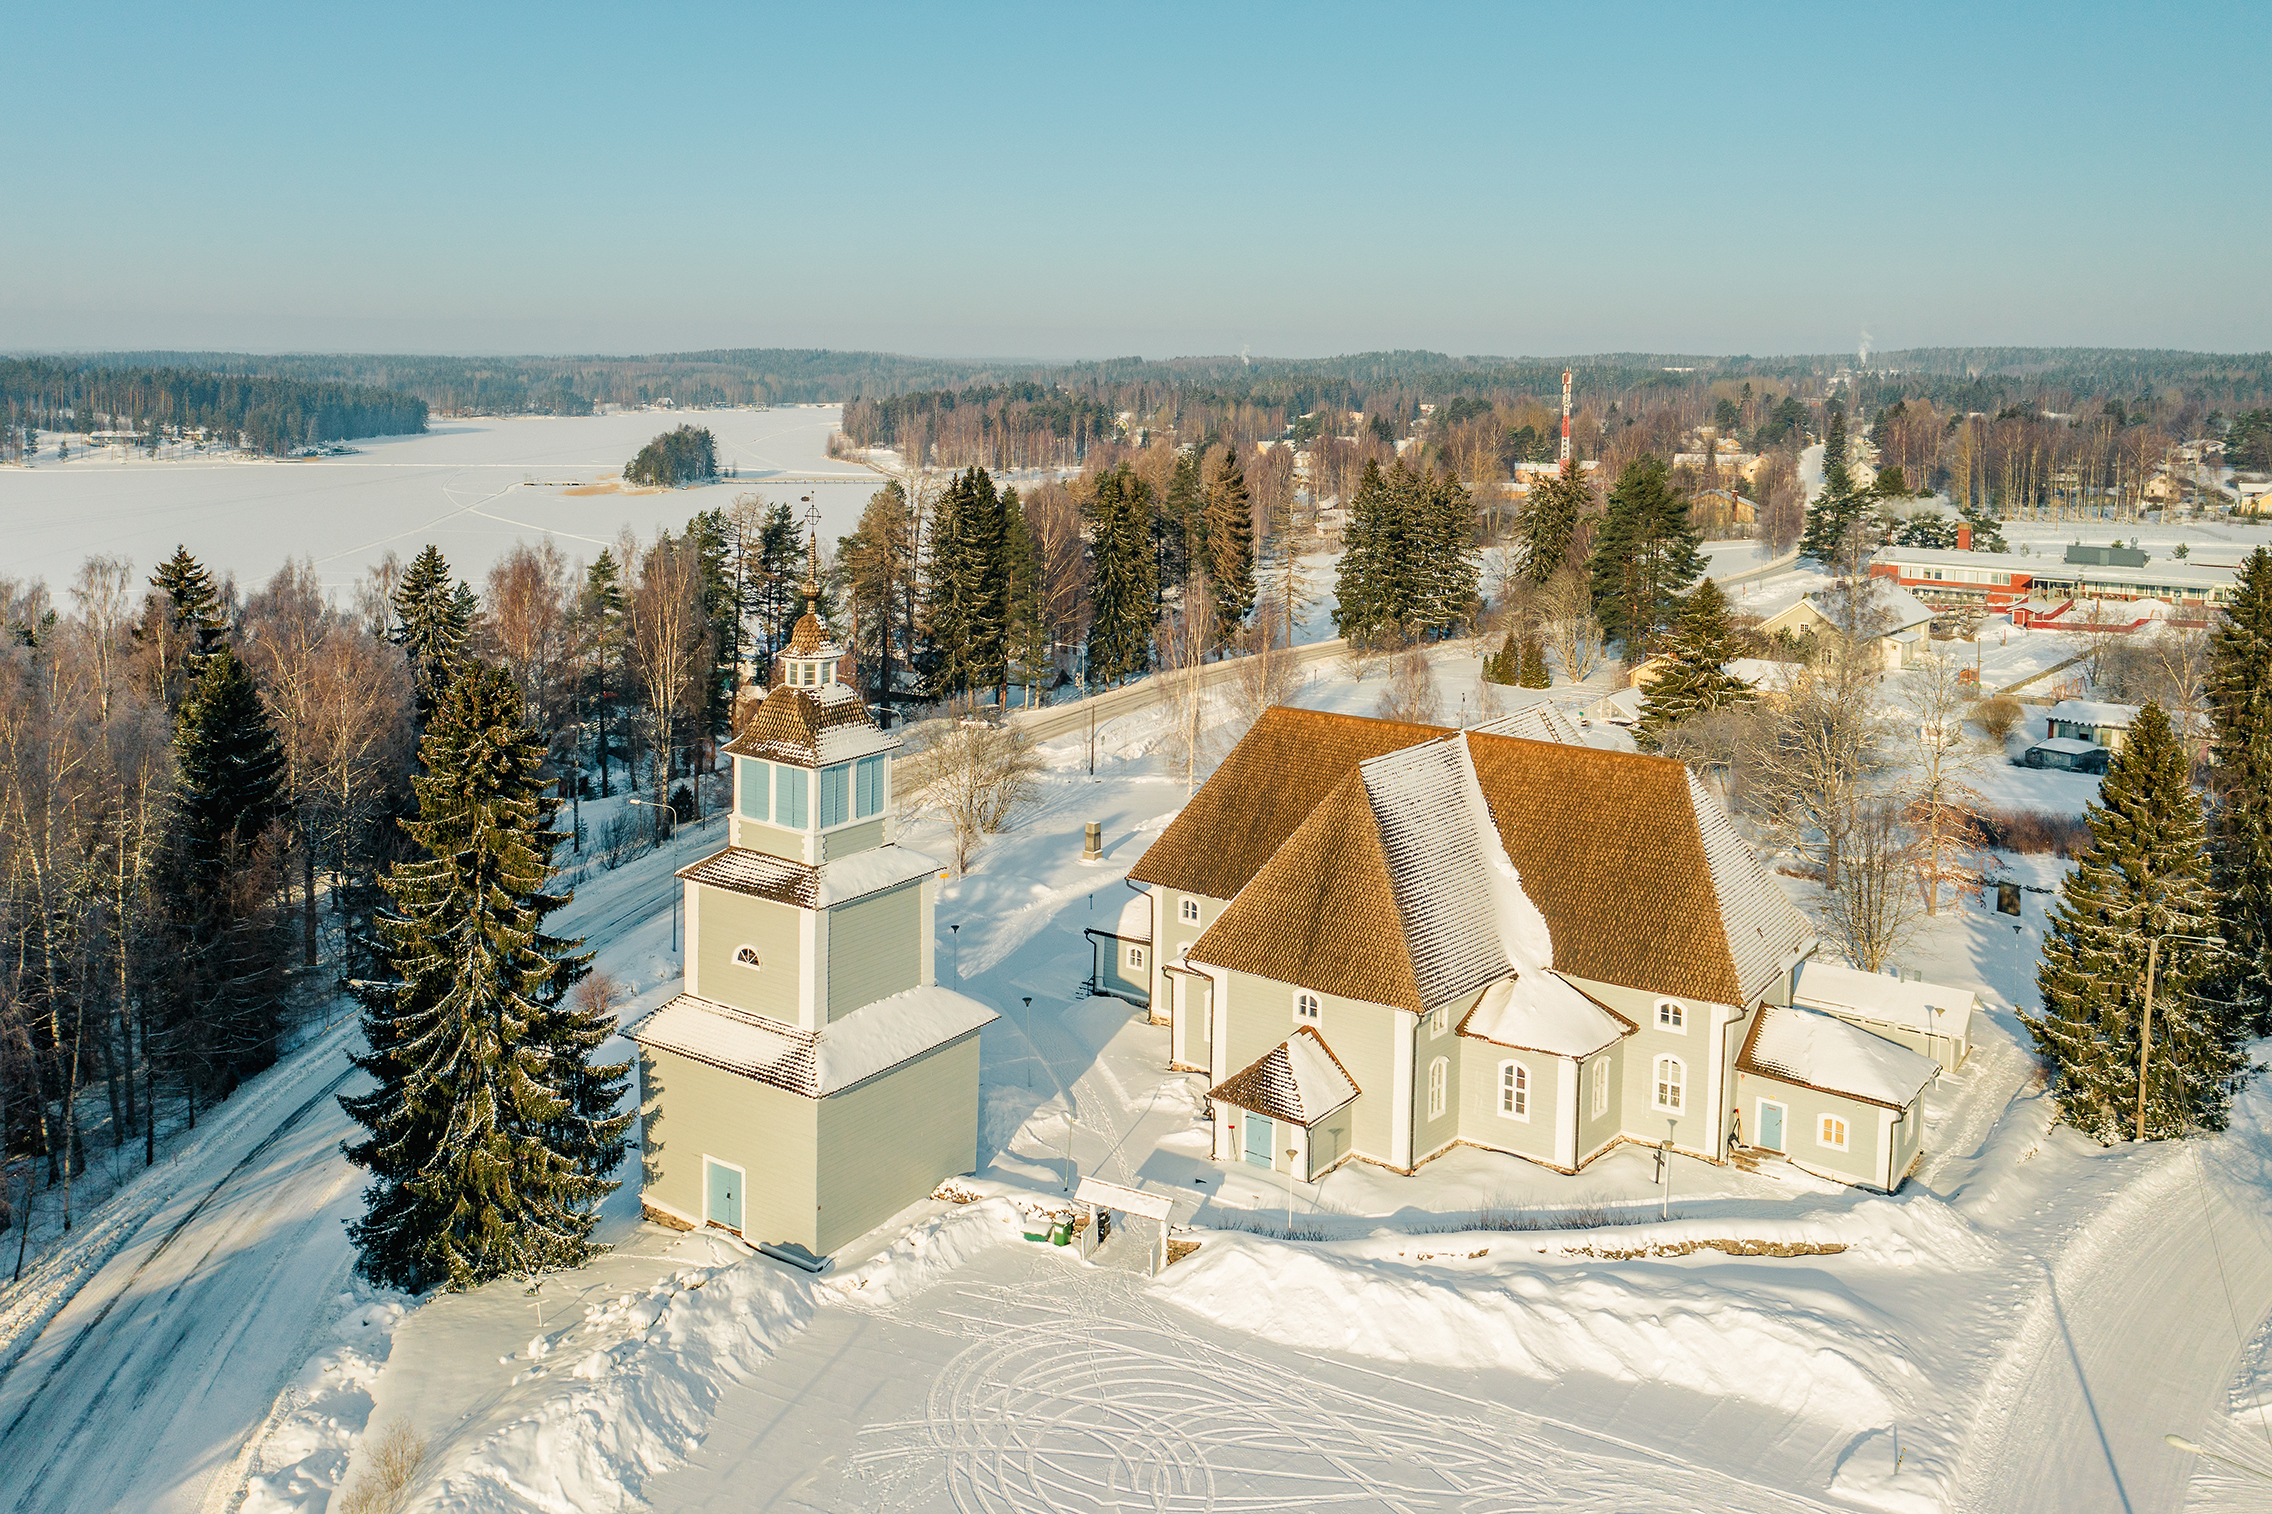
(1823, 1052)
(811, 727)
(1538, 1011)
(1932, 1009)
(1535, 721)
(1299, 1080)
(1427, 874)
(1269, 784)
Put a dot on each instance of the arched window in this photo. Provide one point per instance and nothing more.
(1439, 1076)
(1672, 1015)
(1135, 956)
(1601, 1086)
(746, 956)
(1514, 1090)
(1671, 1082)
(1306, 1006)
(1191, 909)
(1832, 1134)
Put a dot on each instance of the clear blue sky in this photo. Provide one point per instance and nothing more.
(1066, 180)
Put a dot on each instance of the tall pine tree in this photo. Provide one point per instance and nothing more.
(601, 630)
(1645, 557)
(1550, 519)
(1694, 679)
(1835, 518)
(1123, 592)
(435, 616)
(492, 1135)
(1229, 536)
(966, 589)
(2144, 878)
(2240, 711)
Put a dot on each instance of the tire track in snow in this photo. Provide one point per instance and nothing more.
(87, 1332)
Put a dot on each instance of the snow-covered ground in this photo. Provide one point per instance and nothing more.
(2015, 1330)
(472, 486)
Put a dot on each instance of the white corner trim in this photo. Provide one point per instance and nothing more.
(812, 940)
(1567, 1112)
(1405, 1026)
(688, 955)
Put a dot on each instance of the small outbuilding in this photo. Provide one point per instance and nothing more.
(1930, 1018)
(1832, 1097)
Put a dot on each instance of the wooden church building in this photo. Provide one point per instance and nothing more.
(813, 1079)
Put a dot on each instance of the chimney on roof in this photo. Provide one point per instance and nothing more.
(1964, 536)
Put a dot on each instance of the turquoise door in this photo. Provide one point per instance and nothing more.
(725, 1195)
(1770, 1125)
(1258, 1134)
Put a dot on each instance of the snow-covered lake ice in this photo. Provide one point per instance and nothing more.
(471, 486)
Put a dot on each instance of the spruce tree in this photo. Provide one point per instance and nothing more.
(1646, 556)
(1369, 586)
(492, 1136)
(1179, 526)
(1032, 652)
(1228, 528)
(601, 629)
(1550, 520)
(435, 616)
(195, 603)
(1694, 679)
(1506, 665)
(1535, 674)
(1833, 518)
(2144, 878)
(221, 965)
(967, 590)
(1123, 592)
(2240, 712)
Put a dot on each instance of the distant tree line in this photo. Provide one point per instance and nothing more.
(267, 415)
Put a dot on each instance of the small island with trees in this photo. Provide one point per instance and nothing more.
(688, 455)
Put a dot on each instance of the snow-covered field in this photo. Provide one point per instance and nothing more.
(2016, 1329)
(471, 486)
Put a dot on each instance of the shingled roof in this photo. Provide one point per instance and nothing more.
(1383, 892)
(1299, 1080)
(1262, 792)
(810, 727)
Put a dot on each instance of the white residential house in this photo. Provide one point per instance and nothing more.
(1902, 623)
(1381, 941)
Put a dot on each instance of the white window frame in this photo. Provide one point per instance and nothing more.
(1309, 1008)
(1436, 1023)
(1514, 1090)
(1601, 1076)
(1672, 1017)
(757, 962)
(1678, 1082)
(1136, 958)
(1439, 1087)
(1191, 909)
(1822, 1129)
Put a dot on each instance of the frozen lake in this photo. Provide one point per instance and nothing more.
(470, 486)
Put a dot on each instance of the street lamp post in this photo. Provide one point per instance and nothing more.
(675, 893)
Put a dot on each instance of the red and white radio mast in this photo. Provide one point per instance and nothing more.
(1565, 416)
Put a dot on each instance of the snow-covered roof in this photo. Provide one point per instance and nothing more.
(811, 727)
(2071, 746)
(1446, 868)
(1537, 720)
(806, 885)
(1535, 1010)
(1135, 922)
(849, 1050)
(1928, 1008)
(2093, 712)
(1299, 1080)
(1823, 1052)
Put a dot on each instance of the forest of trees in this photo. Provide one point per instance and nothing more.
(685, 455)
(264, 414)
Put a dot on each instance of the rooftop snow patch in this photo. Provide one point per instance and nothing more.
(1299, 1080)
(1815, 1050)
(1535, 1010)
(1931, 1009)
(813, 1063)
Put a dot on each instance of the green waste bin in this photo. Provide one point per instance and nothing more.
(1061, 1233)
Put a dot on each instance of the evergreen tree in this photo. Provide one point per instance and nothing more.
(1644, 559)
(2144, 878)
(876, 561)
(1506, 665)
(1179, 526)
(711, 536)
(1550, 520)
(772, 568)
(1535, 674)
(1987, 531)
(221, 966)
(1032, 651)
(1229, 536)
(1122, 589)
(967, 590)
(601, 627)
(1371, 593)
(195, 603)
(1447, 570)
(435, 618)
(1694, 679)
(2240, 711)
(1832, 520)
(491, 1134)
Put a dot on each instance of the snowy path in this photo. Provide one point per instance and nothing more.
(2132, 1335)
(189, 1330)
(1028, 1383)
